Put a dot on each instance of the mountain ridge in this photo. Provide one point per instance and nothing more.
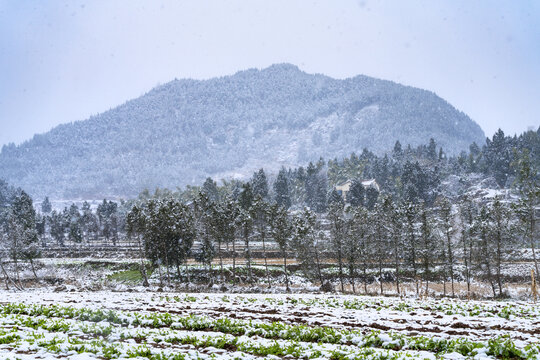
(230, 125)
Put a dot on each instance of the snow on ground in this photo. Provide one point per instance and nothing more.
(45, 324)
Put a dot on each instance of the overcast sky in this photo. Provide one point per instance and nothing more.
(62, 61)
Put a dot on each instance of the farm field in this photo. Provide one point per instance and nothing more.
(42, 324)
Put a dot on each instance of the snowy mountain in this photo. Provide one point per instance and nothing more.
(183, 131)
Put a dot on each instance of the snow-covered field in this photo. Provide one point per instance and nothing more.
(42, 324)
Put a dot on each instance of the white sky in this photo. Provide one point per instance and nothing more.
(62, 61)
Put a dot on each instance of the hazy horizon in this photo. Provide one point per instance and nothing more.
(65, 61)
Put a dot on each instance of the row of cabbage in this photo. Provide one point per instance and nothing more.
(114, 334)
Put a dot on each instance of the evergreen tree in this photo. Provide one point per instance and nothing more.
(397, 152)
(135, 227)
(484, 250)
(498, 157)
(210, 189)
(260, 215)
(467, 214)
(74, 227)
(281, 189)
(393, 218)
(338, 234)
(360, 242)
(356, 194)
(411, 213)
(379, 239)
(501, 237)
(281, 231)
(206, 231)
(89, 222)
(428, 245)
(108, 220)
(371, 198)
(46, 206)
(311, 185)
(432, 150)
(320, 196)
(306, 243)
(260, 184)
(23, 232)
(245, 224)
(57, 227)
(447, 228)
(335, 198)
(246, 197)
(529, 188)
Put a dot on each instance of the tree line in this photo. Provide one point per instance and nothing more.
(408, 231)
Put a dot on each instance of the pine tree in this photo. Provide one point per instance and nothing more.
(484, 250)
(57, 227)
(46, 207)
(23, 232)
(245, 225)
(306, 243)
(428, 245)
(260, 184)
(135, 227)
(467, 214)
(74, 227)
(339, 232)
(529, 188)
(397, 152)
(432, 150)
(360, 235)
(335, 198)
(498, 157)
(356, 194)
(371, 198)
(89, 222)
(281, 231)
(411, 212)
(320, 196)
(281, 189)
(260, 215)
(447, 228)
(210, 189)
(379, 239)
(203, 208)
(501, 237)
(394, 220)
(246, 197)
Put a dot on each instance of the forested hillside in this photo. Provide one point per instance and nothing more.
(433, 218)
(181, 132)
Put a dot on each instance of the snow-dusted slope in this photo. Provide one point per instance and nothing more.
(185, 130)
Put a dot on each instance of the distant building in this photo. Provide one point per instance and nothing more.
(344, 187)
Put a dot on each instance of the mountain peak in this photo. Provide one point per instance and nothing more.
(186, 130)
(283, 67)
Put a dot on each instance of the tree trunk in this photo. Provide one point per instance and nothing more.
(234, 260)
(533, 245)
(365, 279)
(286, 273)
(451, 262)
(318, 263)
(266, 260)
(33, 268)
(248, 256)
(340, 263)
(142, 265)
(8, 278)
(220, 254)
(187, 272)
(351, 275)
(380, 277)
